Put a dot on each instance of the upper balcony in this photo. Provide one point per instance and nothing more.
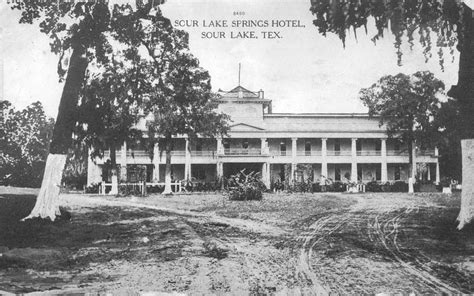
(243, 152)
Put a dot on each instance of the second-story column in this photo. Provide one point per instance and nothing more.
(187, 160)
(156, 163)
(293, 157)
(324, 157)
(383, 151)
(264, 146)
(354, 160)
(123, 163)
(220, 146)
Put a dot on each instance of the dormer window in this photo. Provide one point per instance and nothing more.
(245, 144)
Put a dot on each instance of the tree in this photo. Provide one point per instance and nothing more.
(183, 106)
(75, 42)
(452, 23)
(406, 105)
(109, 111)
(24, 138)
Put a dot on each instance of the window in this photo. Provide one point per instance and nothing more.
(378, 173)
(307, 148)
(226, 145)
(378, 145)
(245, 144)
(337, 176)
(359, 145)
(337, 145)
(283, 148)
(199, 148)
(397, 173)
(396, 145)
(199, 172)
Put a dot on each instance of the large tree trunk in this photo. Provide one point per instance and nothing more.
(47, 202)
(467, 201)
(168, 169)
(463, 92)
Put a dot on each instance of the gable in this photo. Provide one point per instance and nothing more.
(245, 127)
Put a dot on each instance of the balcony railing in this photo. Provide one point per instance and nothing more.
(428, 152)
(138, 153)
(308, 153)
(339, 153)
(280, 153)
(209, 153)
(242, 151)
(397, 153)
(369, 153)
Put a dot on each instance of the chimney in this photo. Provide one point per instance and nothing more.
(261, 94)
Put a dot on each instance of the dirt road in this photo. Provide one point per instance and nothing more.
(284, 245)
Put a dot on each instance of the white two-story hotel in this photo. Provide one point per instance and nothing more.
(280, 146)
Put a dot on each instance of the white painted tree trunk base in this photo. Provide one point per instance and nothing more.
(114, 189)
(411, 188)
(467, 197)
(47, 202)
(167, 190)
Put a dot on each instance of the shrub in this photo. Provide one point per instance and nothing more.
(373, 186)
(93, 188)
(127, 190)
(399, 186)
(242, 186)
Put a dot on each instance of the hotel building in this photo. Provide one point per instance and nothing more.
(339, 146)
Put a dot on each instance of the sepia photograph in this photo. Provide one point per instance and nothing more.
(236, 147)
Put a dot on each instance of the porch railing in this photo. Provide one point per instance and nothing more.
(309, 153)
(242, 151)
(428, 152)
(209, 153)
(339, 153)
(369, 153)
(397, 153)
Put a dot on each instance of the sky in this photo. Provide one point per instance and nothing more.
(301, 72)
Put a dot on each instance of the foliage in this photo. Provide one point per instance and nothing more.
(245, 186)
(401, 17)
(93, 188)
(129, 190)
(373, 186)
(24, 142)
(399, 186)
(407, 106)
(75, 172)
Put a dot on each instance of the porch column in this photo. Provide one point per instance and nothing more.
(293, 157)
(187, 160)
(324, 160)
(123, 162)
(220, 169)
(354, 160)
(383, 151)
(156, 163)
(266, 174)
(438, 177)
(413, 175)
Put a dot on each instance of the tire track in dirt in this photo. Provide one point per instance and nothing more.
(385, 231)
(321, 229)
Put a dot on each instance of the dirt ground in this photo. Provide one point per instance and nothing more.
(299, 244)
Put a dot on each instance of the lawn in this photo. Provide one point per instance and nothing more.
(203, 244)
